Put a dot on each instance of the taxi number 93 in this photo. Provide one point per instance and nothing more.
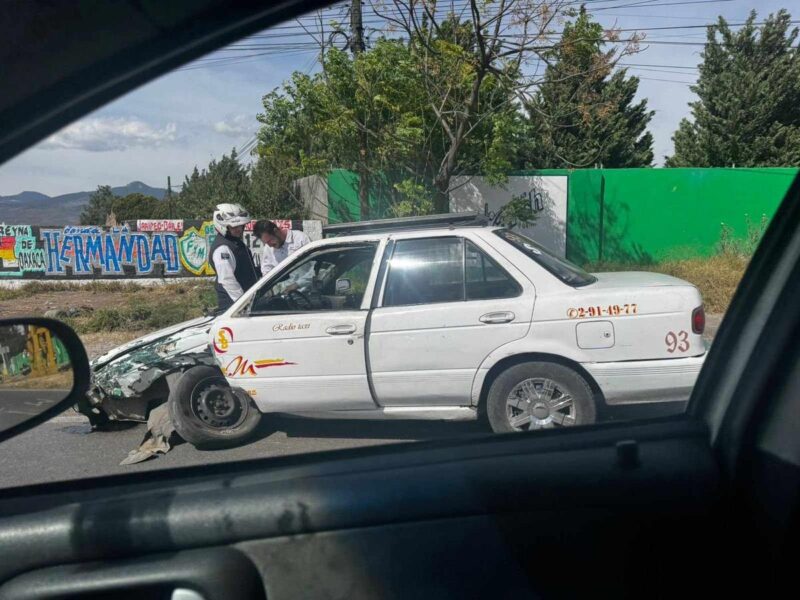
(609, 310)
(677, 341)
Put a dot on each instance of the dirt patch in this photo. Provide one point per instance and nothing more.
(40, 303)
(104, 307)
(713, 322)
(97, 344)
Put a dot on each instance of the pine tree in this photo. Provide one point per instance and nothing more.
(583, 114)
(138, 206)
(748, 108)
(226, 180)
(100, 205)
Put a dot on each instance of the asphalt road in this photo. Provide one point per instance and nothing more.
(65, 448)
(17, 405)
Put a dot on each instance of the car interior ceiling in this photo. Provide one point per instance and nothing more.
(703, 503)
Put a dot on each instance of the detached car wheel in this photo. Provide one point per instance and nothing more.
(209, 413)
(539, 395)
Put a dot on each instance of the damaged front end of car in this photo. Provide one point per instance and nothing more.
(130, 381)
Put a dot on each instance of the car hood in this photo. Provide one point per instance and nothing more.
(182, 332)
(634, 279)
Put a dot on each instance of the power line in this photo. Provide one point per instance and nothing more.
(636, 4)
(656, 70)
(668, 80)
(652, 65)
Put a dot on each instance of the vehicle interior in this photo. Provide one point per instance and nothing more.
(706, 502)
(325, 280)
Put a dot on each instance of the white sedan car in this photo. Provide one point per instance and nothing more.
(416, 320)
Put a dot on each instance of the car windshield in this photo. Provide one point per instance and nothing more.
(589, 185)
(563, 269)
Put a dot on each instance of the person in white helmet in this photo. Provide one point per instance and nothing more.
(230, 257)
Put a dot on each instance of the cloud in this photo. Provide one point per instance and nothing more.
(104, 134)
(235, 126)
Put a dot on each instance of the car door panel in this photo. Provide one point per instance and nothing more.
(428, 353)
(298, 362)
(422, 520)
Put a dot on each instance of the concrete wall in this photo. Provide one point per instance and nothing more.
(138, 249)
(546, 194)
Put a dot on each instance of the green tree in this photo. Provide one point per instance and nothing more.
(584, 112)
(138, 206)
(100, 205)
(273, 192)
(748, 108)
(437, 102)
(224, 180)
(470, 68)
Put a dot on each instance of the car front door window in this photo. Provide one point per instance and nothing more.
(317, 283)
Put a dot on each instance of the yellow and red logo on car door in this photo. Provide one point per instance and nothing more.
(241, 367)
(222, 340)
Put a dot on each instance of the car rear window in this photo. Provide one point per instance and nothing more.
(561, 268)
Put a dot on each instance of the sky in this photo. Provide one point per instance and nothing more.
(204, 109)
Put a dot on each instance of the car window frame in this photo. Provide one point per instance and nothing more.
(498, 234)
(385, 270)
(486, 256)
(245, 311)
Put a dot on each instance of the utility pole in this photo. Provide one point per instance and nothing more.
(356, 28)
(169, 196)
(357, 46)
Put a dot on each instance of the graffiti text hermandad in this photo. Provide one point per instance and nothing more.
(86, 249)
(167, 248)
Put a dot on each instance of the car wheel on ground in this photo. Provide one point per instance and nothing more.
(539, 395)
(208, 413)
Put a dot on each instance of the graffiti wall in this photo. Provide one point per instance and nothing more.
(144, 248)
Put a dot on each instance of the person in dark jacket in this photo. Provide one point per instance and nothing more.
(230, 257)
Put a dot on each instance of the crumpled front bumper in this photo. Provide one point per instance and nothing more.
(127, 389)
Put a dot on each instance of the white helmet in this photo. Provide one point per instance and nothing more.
(229, 215)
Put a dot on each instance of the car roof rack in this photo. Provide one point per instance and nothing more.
(460, 219)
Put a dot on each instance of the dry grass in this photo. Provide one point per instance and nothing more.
(716, 276)
(56, 381)
(34, 288)
(115, 306)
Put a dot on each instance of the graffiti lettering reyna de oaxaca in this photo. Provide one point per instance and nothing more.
(144, 249)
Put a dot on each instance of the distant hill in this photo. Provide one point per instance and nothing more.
(34, 208)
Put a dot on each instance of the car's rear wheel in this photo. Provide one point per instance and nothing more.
(209, 413)
(539, 395)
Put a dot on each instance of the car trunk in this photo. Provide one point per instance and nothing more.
(649, 314)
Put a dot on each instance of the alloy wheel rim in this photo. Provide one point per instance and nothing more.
(540, 403)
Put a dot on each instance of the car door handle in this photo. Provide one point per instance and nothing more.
(497, 317)
(341, 329)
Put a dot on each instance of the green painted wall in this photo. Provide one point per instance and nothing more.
(637, 215)
(656, 214)
(343, 202)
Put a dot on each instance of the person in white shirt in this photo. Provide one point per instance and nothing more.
(278, 243)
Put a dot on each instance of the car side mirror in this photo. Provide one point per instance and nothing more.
(43, 371)
(343, 286)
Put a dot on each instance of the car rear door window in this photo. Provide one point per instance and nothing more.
(425, 271)
(485, 279)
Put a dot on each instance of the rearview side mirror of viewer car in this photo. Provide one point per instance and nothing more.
(43, 371)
